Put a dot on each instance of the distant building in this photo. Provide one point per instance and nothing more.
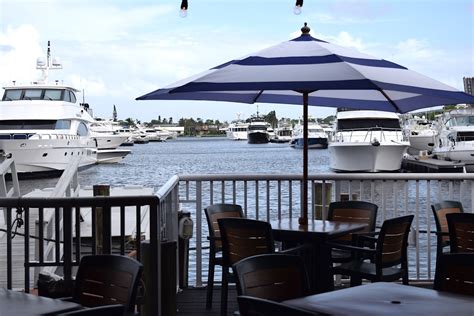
(469, 86)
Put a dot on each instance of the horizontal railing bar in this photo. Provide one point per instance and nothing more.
(102, 201)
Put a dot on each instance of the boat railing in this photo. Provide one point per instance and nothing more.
(7, 169)
(379, 133)
(268, 197)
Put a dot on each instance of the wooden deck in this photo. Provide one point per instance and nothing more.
(192, 301)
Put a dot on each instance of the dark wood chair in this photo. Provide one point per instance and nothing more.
(461, 232)
(214, 212)
(253, 306)
(110, 310)
(390, 254)
(241, 238)
(355, 212)
(455, 273)
(107, 280)
(439, 212)
(275, 277)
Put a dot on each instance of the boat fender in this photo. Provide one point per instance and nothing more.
(185, 228)
(375, 142)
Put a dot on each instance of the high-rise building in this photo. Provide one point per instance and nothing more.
(469, 86)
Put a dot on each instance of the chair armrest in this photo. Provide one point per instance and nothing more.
(350, 248)
(441, 233)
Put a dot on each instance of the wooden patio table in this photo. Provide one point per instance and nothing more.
(386, 299)
(24, 304)
(316, 233)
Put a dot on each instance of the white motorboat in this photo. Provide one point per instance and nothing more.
(283, 134)
(367, 141)
(421, 134)
(317, 138)
(43, 126)
(107, 135)
(257, 131)
(456, 137)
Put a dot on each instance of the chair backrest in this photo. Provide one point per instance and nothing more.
(213, 213)
(253, 306)
(110, 310)
(461, 232)
(455, 273)
(107, 280)
(392, 242)
(242, 238)
(355, 212)
(275, 277)
(439, 211)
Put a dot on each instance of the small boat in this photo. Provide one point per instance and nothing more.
(283, 134)
(421, 133)
(237, 130)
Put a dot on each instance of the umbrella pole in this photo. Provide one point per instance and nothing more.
(303, 220)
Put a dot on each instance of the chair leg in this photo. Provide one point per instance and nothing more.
(210, 284)
(355, 281)
(225, 272)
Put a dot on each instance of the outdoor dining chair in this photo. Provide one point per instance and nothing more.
(455, 273)
(214, 212)
(439, 211)
(275, 277)
(241, 238)
(461, 232)
(107, 280)
(254, 306)
(390, 261)
(355, 212)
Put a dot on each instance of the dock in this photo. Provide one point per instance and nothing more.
(430, 165)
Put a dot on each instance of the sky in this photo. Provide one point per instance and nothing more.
(117, 50)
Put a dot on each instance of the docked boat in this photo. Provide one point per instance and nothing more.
(43, 126)
(317, 138)
(257, 131)
(283, 134)
(107, 135)
(367, 141)
(421, 134)
(456, 137)
(237, 130)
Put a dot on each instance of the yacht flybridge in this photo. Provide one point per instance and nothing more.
(43, 126)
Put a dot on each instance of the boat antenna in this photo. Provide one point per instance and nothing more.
(46, 65)
(83, 96)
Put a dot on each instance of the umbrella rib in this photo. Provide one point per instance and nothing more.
(390, 100)
(257, 96)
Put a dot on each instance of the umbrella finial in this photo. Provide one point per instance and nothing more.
(305, 29)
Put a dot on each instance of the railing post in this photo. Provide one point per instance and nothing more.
(103, 233)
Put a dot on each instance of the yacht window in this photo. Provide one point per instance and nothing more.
(32, 94)
(27, 124)
(464, 121)
(73, 97)
(366, 123)
(67, 96)
(11, 95)
(53, 95)
(63, 124)
(82, 129)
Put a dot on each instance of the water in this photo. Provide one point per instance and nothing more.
(154, 163)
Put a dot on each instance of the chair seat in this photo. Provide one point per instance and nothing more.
(339, 256)
(366, 270)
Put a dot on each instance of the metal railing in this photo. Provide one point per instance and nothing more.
(154, 217)
(368, 135)
(268, 197)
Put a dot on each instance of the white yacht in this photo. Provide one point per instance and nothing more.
(257, 131)
(317, 138)
(237, 129)
(456, 137)
(107, 135)
(421, 134)
(283, 134)
(367, 141)
(43, 126)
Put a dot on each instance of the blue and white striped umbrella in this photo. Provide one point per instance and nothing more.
(310, 71)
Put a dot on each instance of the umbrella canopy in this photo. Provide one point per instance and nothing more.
(310, 71)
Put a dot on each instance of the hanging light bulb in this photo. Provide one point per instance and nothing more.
(298, 6)
(184, 9)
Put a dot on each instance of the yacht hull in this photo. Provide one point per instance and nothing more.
(109, 141)
(358, 157)
(48, 155)
(258, 138)
(421, 142)
(313, 142)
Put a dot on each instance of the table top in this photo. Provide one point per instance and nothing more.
(387, 299)
(316, 228)
(20, 303)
